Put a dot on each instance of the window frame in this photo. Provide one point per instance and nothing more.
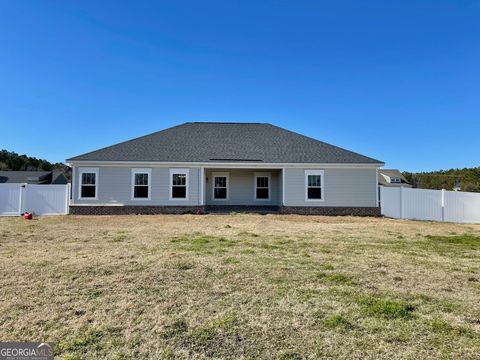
(147, 171)
(87, 170)
(185, 172)
(321, 173)
(395, 180)
(227, 185)
(258, 175)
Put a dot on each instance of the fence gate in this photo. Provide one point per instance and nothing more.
(10, 199)
(16, 199)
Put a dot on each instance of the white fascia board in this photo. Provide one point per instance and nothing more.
(210, 165)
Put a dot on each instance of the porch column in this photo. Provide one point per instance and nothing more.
(283, 186)
(202, 186)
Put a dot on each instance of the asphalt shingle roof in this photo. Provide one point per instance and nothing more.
(33, 177)
(226, 142)
(391, 173)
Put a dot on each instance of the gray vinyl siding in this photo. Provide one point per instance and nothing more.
(115, 187)
(342, 187)
(241, 187)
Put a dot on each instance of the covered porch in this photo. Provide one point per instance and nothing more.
(233, 189)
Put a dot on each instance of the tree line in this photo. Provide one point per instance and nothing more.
(467, 179)
(10, 160)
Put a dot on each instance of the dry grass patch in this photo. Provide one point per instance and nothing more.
(241, 286)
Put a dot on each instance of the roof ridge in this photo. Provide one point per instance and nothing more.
(225, 122)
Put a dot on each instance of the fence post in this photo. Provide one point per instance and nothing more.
(69, 189)
(380, 202)
(443, 204)
(20, 198)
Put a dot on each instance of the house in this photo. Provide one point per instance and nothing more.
(204, 166)
(392, 178)
(54, 177)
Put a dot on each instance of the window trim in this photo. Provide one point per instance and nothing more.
(395, 180)
(322, 185)
(185, 172)
(87, 170)
(221, 174)
(262, 174)
(147, 171)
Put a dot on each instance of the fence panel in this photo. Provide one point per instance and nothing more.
(10, 199)
(390, 202)
(46, 199)
(462, 207)
(436, 205)
(422, 204)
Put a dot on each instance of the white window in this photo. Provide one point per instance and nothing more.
(314, 185)
(141, 179)
(88, 183)
(262, 186)
(179, 184)
(220, 186)
(396, 180)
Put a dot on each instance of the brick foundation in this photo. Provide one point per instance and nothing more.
(151, 210)
(261, 209)
(134, 210)
(331, 210)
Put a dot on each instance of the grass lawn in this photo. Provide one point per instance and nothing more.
(241, 286)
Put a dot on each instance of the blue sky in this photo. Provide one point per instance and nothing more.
(395, 80)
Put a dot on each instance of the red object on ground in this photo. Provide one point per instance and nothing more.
(27, 216)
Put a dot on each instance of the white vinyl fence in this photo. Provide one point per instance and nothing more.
(16, 199)
(436, 205)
